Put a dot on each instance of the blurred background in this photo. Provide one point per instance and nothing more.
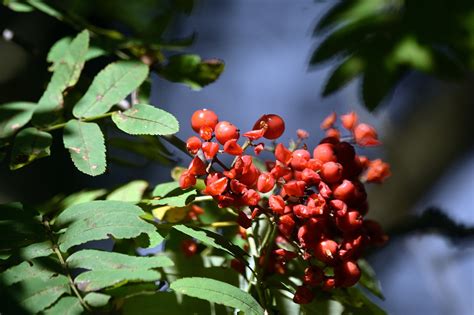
(420, 93)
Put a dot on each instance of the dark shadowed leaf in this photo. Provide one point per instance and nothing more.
(13, 116)
(30, 144)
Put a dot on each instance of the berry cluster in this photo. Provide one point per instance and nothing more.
(317, 199)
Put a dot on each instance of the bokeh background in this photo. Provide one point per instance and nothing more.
(426, 125)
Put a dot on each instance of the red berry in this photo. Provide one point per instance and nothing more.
(282, 154)
(295, 188)
(302, 134)
(326, 251)
(325, 153)
(232, 147)
(347, 274)
(329, 283)
(189, 247)
(203, 118)
(225, 131)
(351, 221)
(329, 121)
(197, 167)
(349, 120)
(303, 295)
(286, 225)
(205, 133)
(210, 149)
(345, 191)
(277, 204)
(365, 135)
(265, 182)
(187, 180)
(216, 187)
(378, 171)
(193, 144)
(331, 172)
(273, 125)
(250, 197)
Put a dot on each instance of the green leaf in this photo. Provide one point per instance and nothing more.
(66, 73)
(192, 71)
(42, 268)
(369, 280)
(37, 294)
(13, 116)
(131, 192)
(97, 220)
(217, 292)
(144, 119)
(176, 201)
(97, 299)
(68, 305)
(109, 87)
(43, 7)
(81, 197)
(61, 46)
(361, 305)
(18, 6)
(35, 250)
(343, 74)
(30, 144)
(85, 142)
(163, 189)
(211, 239)
(112, 269)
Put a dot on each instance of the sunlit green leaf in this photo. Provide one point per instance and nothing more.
(85, 143)
(68, 305)
(131, 192)
(13, 116)
(97, 299)
(110, 86)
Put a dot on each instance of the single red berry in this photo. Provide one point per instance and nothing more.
(329, 283)
(259, 148)
(345, 191)
(351, 221)
(347, 274)
(277, 204)
(331, 172)
(273, 125)
(265, 182)
(197, 167)
(349, 120)
(302, 134)
(301, 211)
(339, 207)
(225, 131)
(189, 247)
(329, 121)
(250, 197)
(286, 225)
(282, 154)
(187, 180)
(210, 149)
(303, 295)
(295, 188)
(300, 158)
(193, 144)
(310, 177)
(204, 118)
(313, 276)
(365, 135)
(216, 187)
(326, 251)
(325, 153)
(377, 171)
(205, 133)
(232, 147)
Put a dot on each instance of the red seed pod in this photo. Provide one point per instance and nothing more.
(349, 120)
(273, 125)
(339, 207)
(300, 159)
(254, 134)
(295, 188)
(351, 247)
(280, 171)
(333, 133)
(325, 153)
(286, 225)
(313, 276)
(205, 133)
(310, 177)
(377, 171)
(232, 147)
(243, 220)
(204, 118)
(225, 131)
(277, 204)
(331, 172)
(197, 167)
(344, 191)
(302, 134)
(193, 144)
(210, 149)
(189, 247)
(351, 221)
(303, 295)
(301, 211)
(285, 254)
(311, 232)
(265, 182)
(324, 190)
(326, 251)
(250, 177)
(217, 187)
(282, 154)
(316, 204)
(364, 161)
(258, 148)
(237, 187)
(365, 135)
(329, 121)
(238, 266)
(314, 164)
(347, 274)
(250, 197)
(187, 180)
(255, 213)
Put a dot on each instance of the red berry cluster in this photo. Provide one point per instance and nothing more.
(317, 199)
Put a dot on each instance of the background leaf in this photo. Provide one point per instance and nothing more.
(131, 192)
(144, 119)
(110, 86)
(85, 142)
(217, 292)
(13, 116)
(110, 218)
(30, 144)
(67, 305)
